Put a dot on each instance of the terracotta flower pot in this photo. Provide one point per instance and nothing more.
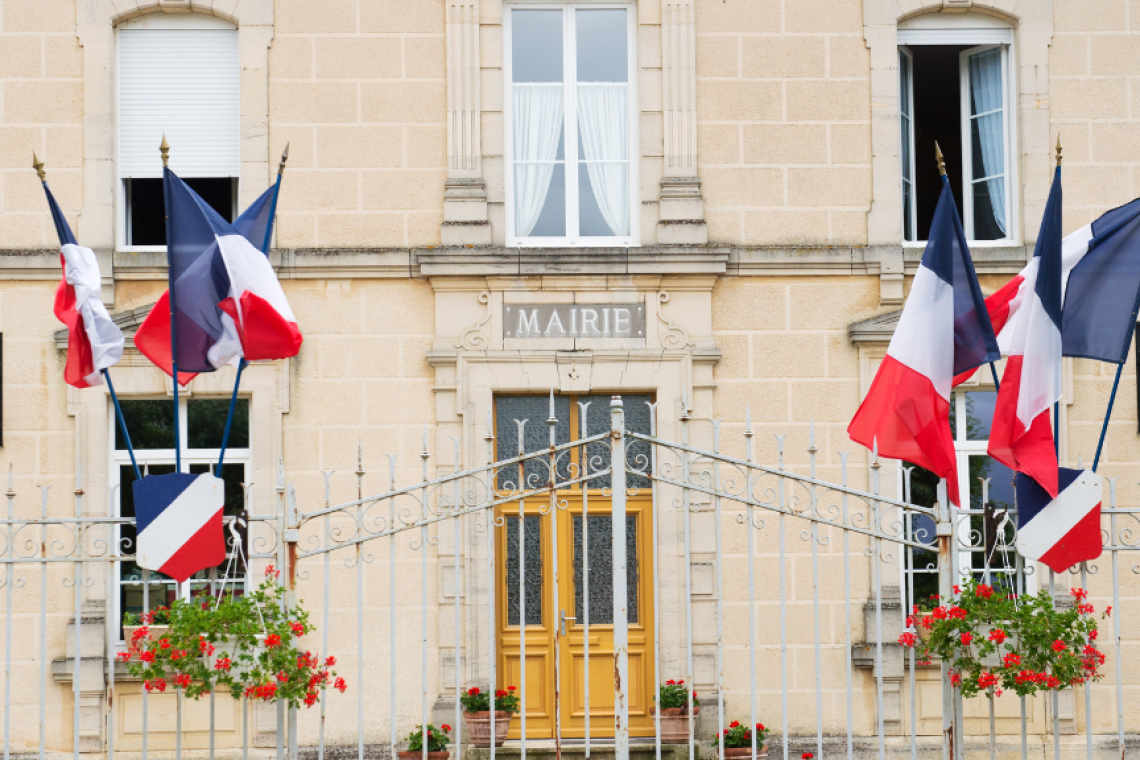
(405, 755)
(738, 753)
(153, 633)
(675, 724)
(479, 727)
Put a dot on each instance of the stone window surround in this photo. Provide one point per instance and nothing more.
(1032, 25)
(266, 384)
(100, 219)
(474, 212)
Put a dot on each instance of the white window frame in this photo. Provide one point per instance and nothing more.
(963, 449)
(145, 457)
(979, 39)
(570, 133)
(159, 21)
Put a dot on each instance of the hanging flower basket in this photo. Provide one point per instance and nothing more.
(994, 641)
(738, 741)
(673, 701)
(477, 714)
(241, 643)
(437, 741)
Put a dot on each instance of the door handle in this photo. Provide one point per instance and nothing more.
(564, 619)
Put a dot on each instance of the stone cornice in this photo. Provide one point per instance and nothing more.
(490, 261)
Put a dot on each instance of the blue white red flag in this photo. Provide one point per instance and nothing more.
(254, 221)
(227, 301)
(1100, 270)
(1021, 436)
(94, 341)
(179, 519)
(1060, 531)
(944, 330)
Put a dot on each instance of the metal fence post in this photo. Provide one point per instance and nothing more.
(945, 533)
(620, 599)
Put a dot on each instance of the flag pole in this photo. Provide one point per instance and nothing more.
(164, 149)
(946, 180)
(1057, 404)
(242, 364)
(38, 165)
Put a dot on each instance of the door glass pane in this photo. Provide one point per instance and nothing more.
(535, 410)
(150, 424)
(638, 454)
(206, 423)
(992, 542)
(922, 564)
(533, 581)
(979, 414)
(536, 46)
(600, 545)
(603, 45)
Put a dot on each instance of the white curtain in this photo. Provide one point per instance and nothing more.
(603, 123)
(537, 126)
(986, 91)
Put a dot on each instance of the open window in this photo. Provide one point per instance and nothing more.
(571, 125)
(178, 76)
(958, 95)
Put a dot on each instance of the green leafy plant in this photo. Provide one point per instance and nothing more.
(995, 641)
(437, 739)
(479, 700)
(674, 694)
(738, 735)
(242, 643)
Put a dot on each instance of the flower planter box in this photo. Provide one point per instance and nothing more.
(405, 755)
(153, 633)
(739, 753)
(479, 727)
(675, 724)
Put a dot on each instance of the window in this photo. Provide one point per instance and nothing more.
(178, 77)
(988, 553)
(201, 424)
(958, 95)
(571, 124)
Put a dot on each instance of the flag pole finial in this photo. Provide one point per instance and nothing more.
(1058, 149)
(284, 158)
(164, 149)
(38, 165)
(938, 157)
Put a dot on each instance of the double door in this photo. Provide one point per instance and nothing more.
(567, 576)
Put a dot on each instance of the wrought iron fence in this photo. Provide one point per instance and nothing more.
(776, 589)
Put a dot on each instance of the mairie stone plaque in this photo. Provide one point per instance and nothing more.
(574, 320)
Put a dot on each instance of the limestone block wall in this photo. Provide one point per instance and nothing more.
(41, 109)
(358, 90)
(783, 108)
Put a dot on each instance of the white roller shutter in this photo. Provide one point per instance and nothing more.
(184, 83)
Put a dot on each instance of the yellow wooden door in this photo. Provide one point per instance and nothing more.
(553, 538)
(546, 621)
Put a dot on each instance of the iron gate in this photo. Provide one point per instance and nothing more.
(818, 569)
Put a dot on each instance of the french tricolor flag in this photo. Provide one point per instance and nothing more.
(1021, 436)
(227, 302)
(179, 520)
(944, 330)
(94, 341)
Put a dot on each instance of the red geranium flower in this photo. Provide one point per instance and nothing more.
(272, 640)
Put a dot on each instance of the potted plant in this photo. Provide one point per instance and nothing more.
(138, 628)
(673, 702)
(243, 643)
(738, 741)
(994, 641)
(437, 741)
(477, 713)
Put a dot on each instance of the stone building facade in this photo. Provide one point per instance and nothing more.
(762, 201)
